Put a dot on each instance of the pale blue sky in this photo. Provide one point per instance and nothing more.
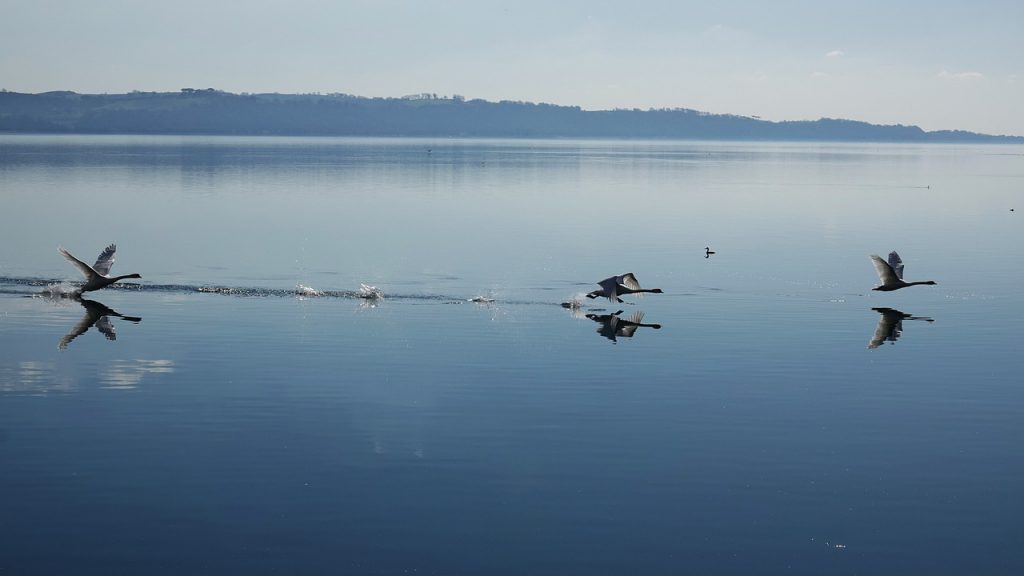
(937, 64)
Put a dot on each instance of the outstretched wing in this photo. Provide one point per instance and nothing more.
(81, 328)
(106, 327)
(105, 260)
(627, 330)
(888, 328)
(885, 272)
(628, 326)
(608, 324)
(94, 312)
(84, 268)
(897, 264)
(610, 287)
(629, 281)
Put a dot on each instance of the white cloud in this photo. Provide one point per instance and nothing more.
(36, 378)
(125, 374)
(946, 75)
(835, 54)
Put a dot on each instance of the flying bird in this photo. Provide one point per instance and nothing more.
(708, 252)
(97, 276)
(612, 287)
(891, 273)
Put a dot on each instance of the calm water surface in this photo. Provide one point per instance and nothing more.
(772, 423)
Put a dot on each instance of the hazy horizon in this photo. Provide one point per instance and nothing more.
(938, 65)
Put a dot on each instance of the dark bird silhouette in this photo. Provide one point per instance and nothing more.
(626, 283)
(613, 326)
(891, 273)
(97, 275)
(98, 315)
(708, 252)
(890, 326)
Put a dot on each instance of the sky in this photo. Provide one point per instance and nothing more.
(936, 64)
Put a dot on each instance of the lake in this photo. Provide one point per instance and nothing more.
(244, 409)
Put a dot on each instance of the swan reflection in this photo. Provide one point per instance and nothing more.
(615, 326)
(890, 326)
(98, 315)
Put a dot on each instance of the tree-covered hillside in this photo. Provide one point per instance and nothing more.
(211, 111)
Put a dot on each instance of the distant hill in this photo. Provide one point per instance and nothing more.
(209, 111)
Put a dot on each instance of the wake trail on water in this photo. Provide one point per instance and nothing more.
(53, 288)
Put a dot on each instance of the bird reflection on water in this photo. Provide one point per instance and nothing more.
(98, 315)
(890, 326)
(613, 326)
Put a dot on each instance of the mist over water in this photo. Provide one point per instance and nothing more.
(363, 356)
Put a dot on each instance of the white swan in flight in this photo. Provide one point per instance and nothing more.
(891, 273)
(97, 275)
(626, 283)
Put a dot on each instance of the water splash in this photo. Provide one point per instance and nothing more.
(307, 292)
(222, 290)
(368, 292)
(482, 299)
(575, 304)
(59, 290)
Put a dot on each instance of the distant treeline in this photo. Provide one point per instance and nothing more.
(208, 111)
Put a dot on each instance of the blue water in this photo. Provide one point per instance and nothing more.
(234, 426)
